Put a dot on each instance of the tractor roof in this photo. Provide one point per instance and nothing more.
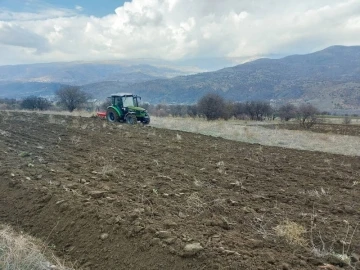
(121, 95)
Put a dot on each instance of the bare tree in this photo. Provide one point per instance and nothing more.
(71, 97)
(250, 110)
(192, 110)
(262, 110)
(307, 115)
(176, 110)
(257, 110)
(239, 110)
(287, 112)
(212, 106)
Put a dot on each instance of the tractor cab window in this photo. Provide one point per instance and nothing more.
(129, 101)
(118, 102)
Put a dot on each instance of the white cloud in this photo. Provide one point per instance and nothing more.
(17, 36)
(174, 29)
(79, 8)
(45, 14)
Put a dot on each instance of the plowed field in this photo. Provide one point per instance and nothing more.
(114, 196)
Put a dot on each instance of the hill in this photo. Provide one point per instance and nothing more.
(20, 81)
(25, 89)
(79, 73)
(329, 78)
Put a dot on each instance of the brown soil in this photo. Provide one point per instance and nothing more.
(351, 130)
(114, 196)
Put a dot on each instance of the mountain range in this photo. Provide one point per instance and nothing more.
(17, 81)
(329, 78)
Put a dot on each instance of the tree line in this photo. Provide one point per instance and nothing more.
(212, 107)
(68, 98)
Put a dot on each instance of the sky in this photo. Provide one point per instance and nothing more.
(38, 31)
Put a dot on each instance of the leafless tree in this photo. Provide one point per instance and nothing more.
(71, 97)
(212, 106)
(257, 110)
(307, 115)
(287, 112)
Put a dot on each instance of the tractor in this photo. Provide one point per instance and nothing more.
(125, 108)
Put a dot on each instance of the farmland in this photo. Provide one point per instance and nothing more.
(114, 196)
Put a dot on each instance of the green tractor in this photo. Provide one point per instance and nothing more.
(125, 108)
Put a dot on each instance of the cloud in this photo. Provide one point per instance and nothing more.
(13, 35)
(177, 29)
(79, 8)
(45, 14)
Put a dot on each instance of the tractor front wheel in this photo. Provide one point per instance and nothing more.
(112, 115)
(131, 119)
(146, 121)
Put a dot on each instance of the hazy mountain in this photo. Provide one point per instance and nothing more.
(79, 73)
(18, 81)
(24, 89)
(329, 78)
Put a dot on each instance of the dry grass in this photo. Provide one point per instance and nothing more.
(195, 204)
(315, 193)
(292, 232)
(108, 170)
(254, 132)
(340, 120)
(81, 113)
(326, 249)
(22, 252)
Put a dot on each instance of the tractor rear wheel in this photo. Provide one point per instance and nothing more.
(131, 119)
(112, 115)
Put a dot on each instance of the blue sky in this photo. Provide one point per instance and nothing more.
(88, 7)
(37, 31)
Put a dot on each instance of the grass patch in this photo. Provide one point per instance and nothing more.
(22, 252)
(255, 132)
(292, 232)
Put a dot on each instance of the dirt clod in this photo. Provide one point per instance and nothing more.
(104, 236)
(285, 266)
(163, 234)
(96, 194)
(192, 249)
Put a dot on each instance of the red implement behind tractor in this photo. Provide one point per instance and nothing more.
(101, 115)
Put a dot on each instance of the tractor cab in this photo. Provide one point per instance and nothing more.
(125, 108)
(124, 101)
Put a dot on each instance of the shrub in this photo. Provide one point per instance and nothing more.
(347, 120)
(9, 104)
(35, 103)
